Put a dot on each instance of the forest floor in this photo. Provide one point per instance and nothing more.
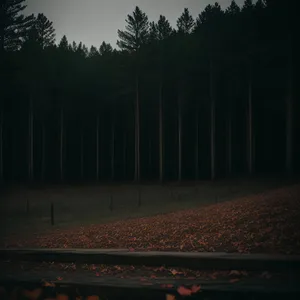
(261, 217)
(264, 219)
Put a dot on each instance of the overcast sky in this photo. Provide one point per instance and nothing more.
(95, 21)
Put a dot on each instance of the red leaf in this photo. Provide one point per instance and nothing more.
(234, 280)
(170, 297)
(196, 288)
(174, 272)
(183, 291)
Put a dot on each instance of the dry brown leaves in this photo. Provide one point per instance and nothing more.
(262, 223)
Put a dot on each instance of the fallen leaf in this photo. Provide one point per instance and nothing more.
(174, 272)
(170, 297)
(167, 286)
(183, 291)
(234, 280)
(62, 297)
(49, 284)
(32, 295)
(196, 288)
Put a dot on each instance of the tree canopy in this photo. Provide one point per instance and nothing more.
(252, 50)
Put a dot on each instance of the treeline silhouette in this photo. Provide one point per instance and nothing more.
(211, 98)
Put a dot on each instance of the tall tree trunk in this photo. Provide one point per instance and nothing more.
(137, 133)
(13, 144)
(250, 123)
(212, 122)
(30, 141)
(229, 131)
(179, 137)
(43, 152)
(97, 148)
(81, 153)
(197, 144)
(150, 159)
(161, 153)
(1, 145)
(289, 115)
(1, 42)
(61, 144)
(124, 156)
(113, 147)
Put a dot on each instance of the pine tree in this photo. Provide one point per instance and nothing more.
(93, 52)
(64, 44)
(211, 14)
(248, 6)
(136, 33)
(233, 9)
(13, 24)
(73, 47)
(185, 22)
(153, 32)
(260, 4)
(164, 28)
(82, 50)
(45, 31)
(185, 25)
(135, 36)
(164, 31)
(105, 49)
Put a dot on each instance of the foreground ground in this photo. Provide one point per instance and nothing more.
(26, 211)
(268, 222)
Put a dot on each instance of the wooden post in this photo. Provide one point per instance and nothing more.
(52, 213)
(111, 203)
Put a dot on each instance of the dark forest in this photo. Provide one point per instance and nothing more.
(212, 98)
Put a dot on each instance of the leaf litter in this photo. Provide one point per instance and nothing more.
(263, 223)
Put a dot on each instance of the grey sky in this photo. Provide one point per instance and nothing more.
(95, 21)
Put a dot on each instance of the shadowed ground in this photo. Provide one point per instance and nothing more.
(264, 222)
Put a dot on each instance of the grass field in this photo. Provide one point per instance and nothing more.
(25, 211)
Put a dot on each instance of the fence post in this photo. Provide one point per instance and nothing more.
(111, 203)
(52, 213)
